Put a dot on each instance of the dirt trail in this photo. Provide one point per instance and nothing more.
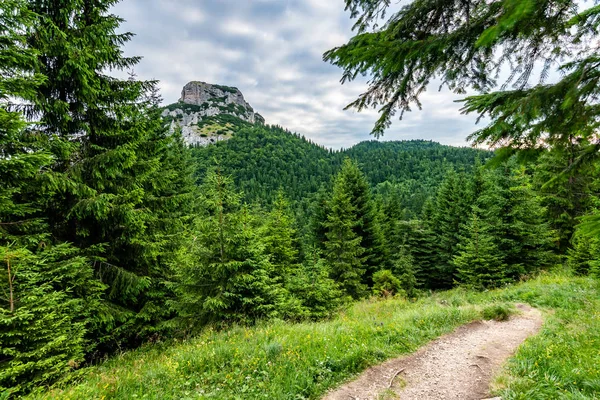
(456, 366)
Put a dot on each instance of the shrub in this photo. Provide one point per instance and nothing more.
(385, 284)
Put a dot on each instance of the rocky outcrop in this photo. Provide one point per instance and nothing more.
(208, 113)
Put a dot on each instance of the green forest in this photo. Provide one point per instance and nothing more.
(115, 235)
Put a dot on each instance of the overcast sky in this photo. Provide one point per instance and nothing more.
(272, 51)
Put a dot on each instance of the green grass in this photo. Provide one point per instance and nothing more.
(563, 360)
(279, 360)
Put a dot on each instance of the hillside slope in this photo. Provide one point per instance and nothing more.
(302, 361)
(263, 159)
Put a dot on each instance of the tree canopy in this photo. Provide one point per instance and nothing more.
(547, 49)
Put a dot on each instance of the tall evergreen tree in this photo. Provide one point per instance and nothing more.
(312, 284)
(368, 226)
(318, 218)
(122, 205)
(584, 255)
(344, 252)
(479, 263)
(228, 275)
(414, 243)
(281, 242)
(47, 293)
(453, 204)
(565, 187)
(516, 218)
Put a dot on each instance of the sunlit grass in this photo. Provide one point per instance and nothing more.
(563, 361)
(278, 360)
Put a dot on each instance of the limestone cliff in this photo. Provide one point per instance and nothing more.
(209, 113)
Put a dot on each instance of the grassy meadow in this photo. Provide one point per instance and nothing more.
(279, 360)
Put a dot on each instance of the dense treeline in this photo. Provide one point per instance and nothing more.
(107, 241)
(263, 159)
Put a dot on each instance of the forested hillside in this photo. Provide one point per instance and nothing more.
(115, 234)
(263, 159)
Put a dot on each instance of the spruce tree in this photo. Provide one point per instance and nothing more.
(343, 250)
(129, 188)
(453, 204)
(312, 285)
(280, 238)
(227, 276)
(515, 218)
(566, 188)
(47, 294)
(368, 226)
(584, 254)
(537, 239)
(319, 209)
(479, 263)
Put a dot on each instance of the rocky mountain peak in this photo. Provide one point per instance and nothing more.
(207, 113)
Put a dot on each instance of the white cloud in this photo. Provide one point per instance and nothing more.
(272, 51)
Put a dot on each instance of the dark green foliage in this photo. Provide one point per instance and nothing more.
(280, 239)
(479, 262)
(385, 284)
(319, 295)
(319, 209)
(566, 188)
(41, 328)
(129, 184)
(47, 292)
(517, 221)
(403, 266)
(254, 153)
(507, 236)
(414, 251)
(416, 168)
(343, 250)
(228, 276)
(351, 180)
(584, 255)
(452, 210)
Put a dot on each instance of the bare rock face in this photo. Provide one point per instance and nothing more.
(208, 113)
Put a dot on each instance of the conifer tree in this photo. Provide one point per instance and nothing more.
(516, 219)
(281, 242)
(368, 226)
(418, 249)
(453, 204)
(318, 218)
(584, 255)
(47, 293)
(129, 182)
(312, 285)
(479, 263)
(227, 277)
(565, 187)
(344, 252)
